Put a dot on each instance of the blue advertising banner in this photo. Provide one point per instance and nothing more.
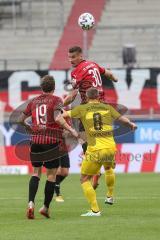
(148, 132)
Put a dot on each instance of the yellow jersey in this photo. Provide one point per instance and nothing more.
(97, 119)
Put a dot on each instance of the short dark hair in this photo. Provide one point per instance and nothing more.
(47, 83)
(75, 49)
(92, 93)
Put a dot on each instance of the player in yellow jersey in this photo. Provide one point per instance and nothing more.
(97, 119)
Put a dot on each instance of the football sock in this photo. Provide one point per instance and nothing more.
(90, 195)
(33, 187)
(59, 179)
(48, 193)
(110, 181)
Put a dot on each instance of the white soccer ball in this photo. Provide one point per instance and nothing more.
(86, 21)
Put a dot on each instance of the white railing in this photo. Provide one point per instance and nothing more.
(22, 64)
(23, 14)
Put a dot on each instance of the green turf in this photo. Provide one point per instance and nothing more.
(134, 216)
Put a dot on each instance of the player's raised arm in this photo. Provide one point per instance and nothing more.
(110, 75)
(70, 97)
(127, 122)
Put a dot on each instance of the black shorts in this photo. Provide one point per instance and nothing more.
(48, 155)
(64, 161)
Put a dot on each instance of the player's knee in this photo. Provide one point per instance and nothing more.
(59, 171)
(51, 174)
(51, 178)
(108, 168)
(81, 179)
(65, 175)
(84, 178)
(109, 171)
(65, 172)
(36, 175)
(37, 172)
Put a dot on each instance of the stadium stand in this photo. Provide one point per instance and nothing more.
(7, 5)
(31, 32)
(29, 38)
(128, 22)
(72, 28)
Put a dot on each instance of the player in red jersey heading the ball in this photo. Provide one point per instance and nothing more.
(86, 74)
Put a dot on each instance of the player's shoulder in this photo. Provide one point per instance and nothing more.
(93, 63)
(56, 100)
(56, 97)
(111, 107)
(87, 106)
(34, 99)
(86, 63)
(80, 108)
(104, 106)
(90, 63)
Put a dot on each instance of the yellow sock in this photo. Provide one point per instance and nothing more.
(110, 181)
(90, 194)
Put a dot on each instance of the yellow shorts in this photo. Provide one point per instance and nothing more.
(93, 161)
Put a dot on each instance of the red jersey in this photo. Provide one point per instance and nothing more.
(41, 109)
(87, 74)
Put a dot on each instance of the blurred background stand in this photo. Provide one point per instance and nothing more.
(129, 56)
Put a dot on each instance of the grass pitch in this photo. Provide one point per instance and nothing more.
(134, 216)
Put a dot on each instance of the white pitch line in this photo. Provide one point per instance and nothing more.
(81, 198)
(12, 198)
(125, 198)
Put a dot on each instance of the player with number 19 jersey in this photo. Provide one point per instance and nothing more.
(41, 109)
(87, 74)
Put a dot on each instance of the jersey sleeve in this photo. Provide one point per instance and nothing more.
(28, 110)
(101, 69)
(114, 113)
(75, 112)
(59, 104)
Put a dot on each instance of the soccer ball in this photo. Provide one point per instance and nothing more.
(86, 21)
